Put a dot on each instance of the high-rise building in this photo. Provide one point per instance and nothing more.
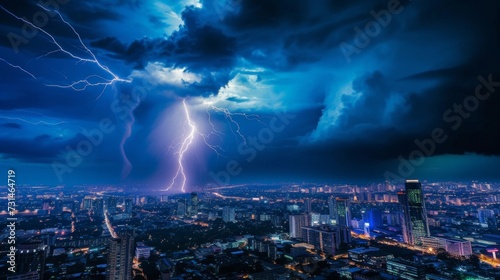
(120, 255)
(414, 217)
(342, 212)
(194, 203)
(296, 222)
(87, 202)
(324, 238)
(181, 209)
(110, 205)
(331, 207)
(487, 218)
(404, 216)
(228, 214)
(308, 205)
(128, 206)
(98, 207)
(30, 260)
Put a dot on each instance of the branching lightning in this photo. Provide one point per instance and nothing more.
(79, 85)
(185, 145)
(186, 141)
(228, 115)
(94, 80)
(108, 78)
(18, 67)
(33, 122)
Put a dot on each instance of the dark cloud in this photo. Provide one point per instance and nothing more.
(12, 125)
(426, 60)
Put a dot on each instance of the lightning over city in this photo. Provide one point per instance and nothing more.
(249, 139)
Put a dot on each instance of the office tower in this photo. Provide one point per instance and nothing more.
(296, 222)
(314, 219)
(87, 202)
(404, 217)
(128, 206)
(228, 214)
(487, 218)
(98, 207)
(194, 203)
(120, 256)
(308, 206)
(30, 260)
(181, 209)
(331, 207)
(345, 234)
(342, 212)
(324, 238)
(414, 217)
(110, 205)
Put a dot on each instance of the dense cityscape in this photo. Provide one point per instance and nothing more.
(410, 230)
(249, 139)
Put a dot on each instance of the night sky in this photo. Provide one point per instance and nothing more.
(320, 91)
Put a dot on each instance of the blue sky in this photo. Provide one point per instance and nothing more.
(354, 116)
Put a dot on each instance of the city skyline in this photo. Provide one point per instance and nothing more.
(244, 232)
(218, 92)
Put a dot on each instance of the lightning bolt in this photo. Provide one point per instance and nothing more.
(94, 80)
(186, 144)
(79, 85)
(30, 115)
(31, 122)
(183, 149)
(233, 124)
(18, 67)
(186, 141)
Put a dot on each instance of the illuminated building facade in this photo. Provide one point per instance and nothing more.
(342, 212)
(414, 217)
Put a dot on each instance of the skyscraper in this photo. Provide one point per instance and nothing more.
(120, 256)
(414, 216)
(194, 203)
(342, 212)
(487, 218)
(296, 222)
(331, 207)
(308, 205)
(181, 209)
(228, 214)
(110, 205)
(30, 258)
(98, 207)
(128, 205)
